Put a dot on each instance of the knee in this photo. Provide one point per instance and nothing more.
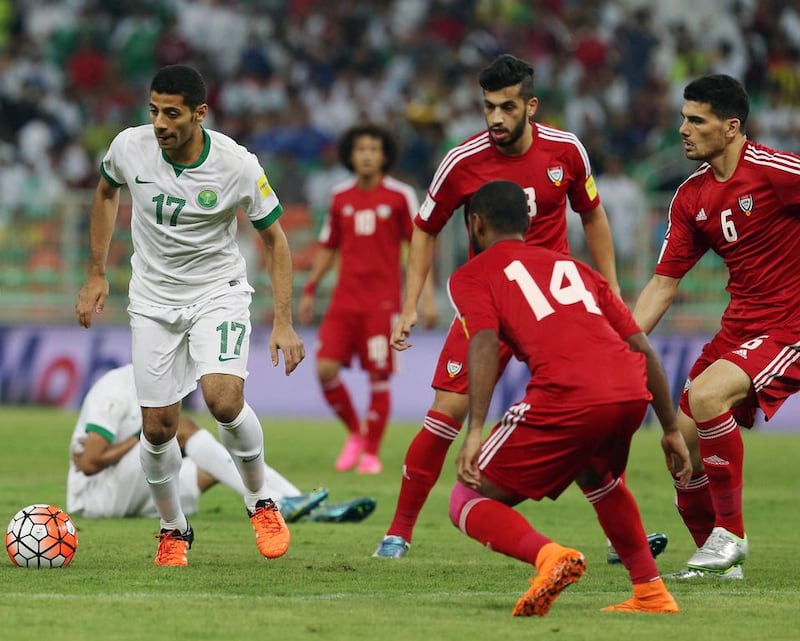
(224, 408)
(461, 497)
(327, 370)
(159, 427)
(452, 404)
(703, 398)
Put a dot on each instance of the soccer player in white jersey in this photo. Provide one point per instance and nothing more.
(189, 294)
(106, 479)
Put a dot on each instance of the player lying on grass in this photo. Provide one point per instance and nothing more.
(106, 479)
(593, 374)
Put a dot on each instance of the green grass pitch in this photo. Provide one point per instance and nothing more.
(329, 587)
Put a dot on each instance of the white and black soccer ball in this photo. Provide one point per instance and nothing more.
(41, 536)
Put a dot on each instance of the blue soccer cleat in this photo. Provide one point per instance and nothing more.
(294, 508)
(656, 541)
(392, 547)
(348, 512)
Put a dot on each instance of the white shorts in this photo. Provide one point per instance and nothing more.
(173, 347)
(121, 490)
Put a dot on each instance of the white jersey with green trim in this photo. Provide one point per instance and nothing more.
(183, 220)
(110, 409)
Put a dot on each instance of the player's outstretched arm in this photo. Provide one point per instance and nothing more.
(279, 266)
(323, 262)
(420, 259)
(600, 243)
(93, 293)
(482, 363)
(675, 450)
(654, 301)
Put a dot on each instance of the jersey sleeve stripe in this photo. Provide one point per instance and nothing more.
(781, 162)
(102, 431)
(456, 155)
(557, 135)
(108, 178)
(271, 217)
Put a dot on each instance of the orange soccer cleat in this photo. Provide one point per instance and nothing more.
(272, 535)
(652, 597)
(173, 546)
(557, 567)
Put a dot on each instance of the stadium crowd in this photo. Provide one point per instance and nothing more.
(286, 77)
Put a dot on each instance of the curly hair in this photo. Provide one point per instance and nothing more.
(350, 136)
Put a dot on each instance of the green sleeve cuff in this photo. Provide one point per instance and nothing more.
(108, 178)
(271, 217)
(102, 431)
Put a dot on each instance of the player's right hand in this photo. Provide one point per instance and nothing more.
(91, 298)
(402, 330)
(305, 309)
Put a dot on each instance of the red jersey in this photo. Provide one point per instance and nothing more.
(368, 228)
(560, 317)
(752, 221)
(556, 167)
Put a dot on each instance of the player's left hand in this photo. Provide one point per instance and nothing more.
(677, 456)
(467, 460)
(285, 339)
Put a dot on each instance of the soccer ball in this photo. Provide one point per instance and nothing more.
(41, 536)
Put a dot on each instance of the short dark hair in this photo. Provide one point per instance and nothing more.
(726, 96)
(503, 205)
(181, 80)
(506, 71)
(348, 141)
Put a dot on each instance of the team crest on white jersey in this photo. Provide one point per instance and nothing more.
(207, 198)
(701, 215)
(454, 368)
(746, 204)
(383, 211)
(556, 175)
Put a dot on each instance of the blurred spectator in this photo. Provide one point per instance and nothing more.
(626, 205)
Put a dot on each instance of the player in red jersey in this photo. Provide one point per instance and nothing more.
(551, 166)
(593, 372)
(369, 218)
(743, 203)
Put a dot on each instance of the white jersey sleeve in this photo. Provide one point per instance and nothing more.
(110, 409)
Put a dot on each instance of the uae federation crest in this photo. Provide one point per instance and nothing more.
(454, 368)
(556, 175)
(746, 204)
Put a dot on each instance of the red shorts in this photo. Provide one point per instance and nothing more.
(450, 374)
(344, 333)
(531, 458)
(772, 361)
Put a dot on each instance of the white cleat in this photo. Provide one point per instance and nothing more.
(691, 574)
(721, 551)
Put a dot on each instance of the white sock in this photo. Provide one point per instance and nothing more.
(162, 468)
(244, 440)
(212, 457)
(277, 485)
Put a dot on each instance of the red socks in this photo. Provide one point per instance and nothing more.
(695, 507)
(619, 517)
(494, 524)
(377, 415)
(722, 451)
(423, 464)
(338, 398)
